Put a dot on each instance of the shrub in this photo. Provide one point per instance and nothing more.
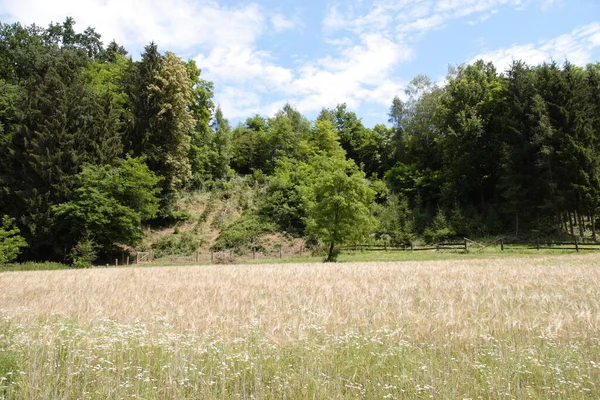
(184, 244)
(84, 253)
(243, 233)
(440, 229)
(11, 242)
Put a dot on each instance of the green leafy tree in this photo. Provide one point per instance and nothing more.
(11, 242)
(109, 205)
(204, 154)
(471, 109)
(325, 139)
(285, 203)
(440, 229)
(161, 93)
(340, 204)
(250, 146)
(61, 125)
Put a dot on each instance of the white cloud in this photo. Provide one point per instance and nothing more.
(367, 42)
(225, 36)
(412, 18)
(549, 4)
(578, 47)
(282, 23)
(177, 25)
(359, 73)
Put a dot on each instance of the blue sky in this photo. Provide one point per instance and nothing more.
(261, 54)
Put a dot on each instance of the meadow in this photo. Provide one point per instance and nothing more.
(479, 328)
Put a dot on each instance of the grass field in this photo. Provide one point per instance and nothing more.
(490, 327)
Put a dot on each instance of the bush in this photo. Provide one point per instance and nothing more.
(243, 233)
(11, 242)
(184, 244)
(440, 229)
(84, 253)
(33, 266)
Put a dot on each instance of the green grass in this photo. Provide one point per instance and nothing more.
(430, 255)
(372, 256)
(345, 256)
(113, 361)
(32, 266)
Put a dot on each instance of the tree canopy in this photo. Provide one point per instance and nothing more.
(95, 146)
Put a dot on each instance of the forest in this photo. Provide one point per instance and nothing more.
(96, 149)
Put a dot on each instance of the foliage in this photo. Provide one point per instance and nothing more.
(110, 204)
(11, 242)
(33, 266)
(339, 210)
(440, 229)
(513, 152)
(396, 221)
(84, 253)
(285, 204)
(243, 234)
(186, 243)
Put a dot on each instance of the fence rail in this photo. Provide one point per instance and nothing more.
(469, 244)
(549, 245)
(385, 247)
(229, 257)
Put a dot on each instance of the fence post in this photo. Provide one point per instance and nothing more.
(385, 246)
(576, 244)
(253, 253)
(437, 246)
(466, 248)
(501, 244)
(280, 252)
(116, 262)
(212, 256)
(538, 243)
(411, 246)
(127, 260)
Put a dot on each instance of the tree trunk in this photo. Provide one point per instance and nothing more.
(516, 224)
(581, 225)
(571, 224)
(594, 226)
(330, 254)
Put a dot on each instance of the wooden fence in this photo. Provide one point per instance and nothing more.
(550, 245)
(229, 257)
(468, 244)
(385, 247)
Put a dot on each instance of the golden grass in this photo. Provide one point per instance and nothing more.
(467, 297)
(480, 328)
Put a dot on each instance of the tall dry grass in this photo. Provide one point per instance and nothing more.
(496, 328)
(466, 297)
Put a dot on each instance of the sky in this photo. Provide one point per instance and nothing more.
(312, 54)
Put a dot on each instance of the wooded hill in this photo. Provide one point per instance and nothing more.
(95, 146)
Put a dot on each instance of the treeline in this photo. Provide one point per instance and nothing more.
(92, 143)
(502, 152)
(95, 145)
